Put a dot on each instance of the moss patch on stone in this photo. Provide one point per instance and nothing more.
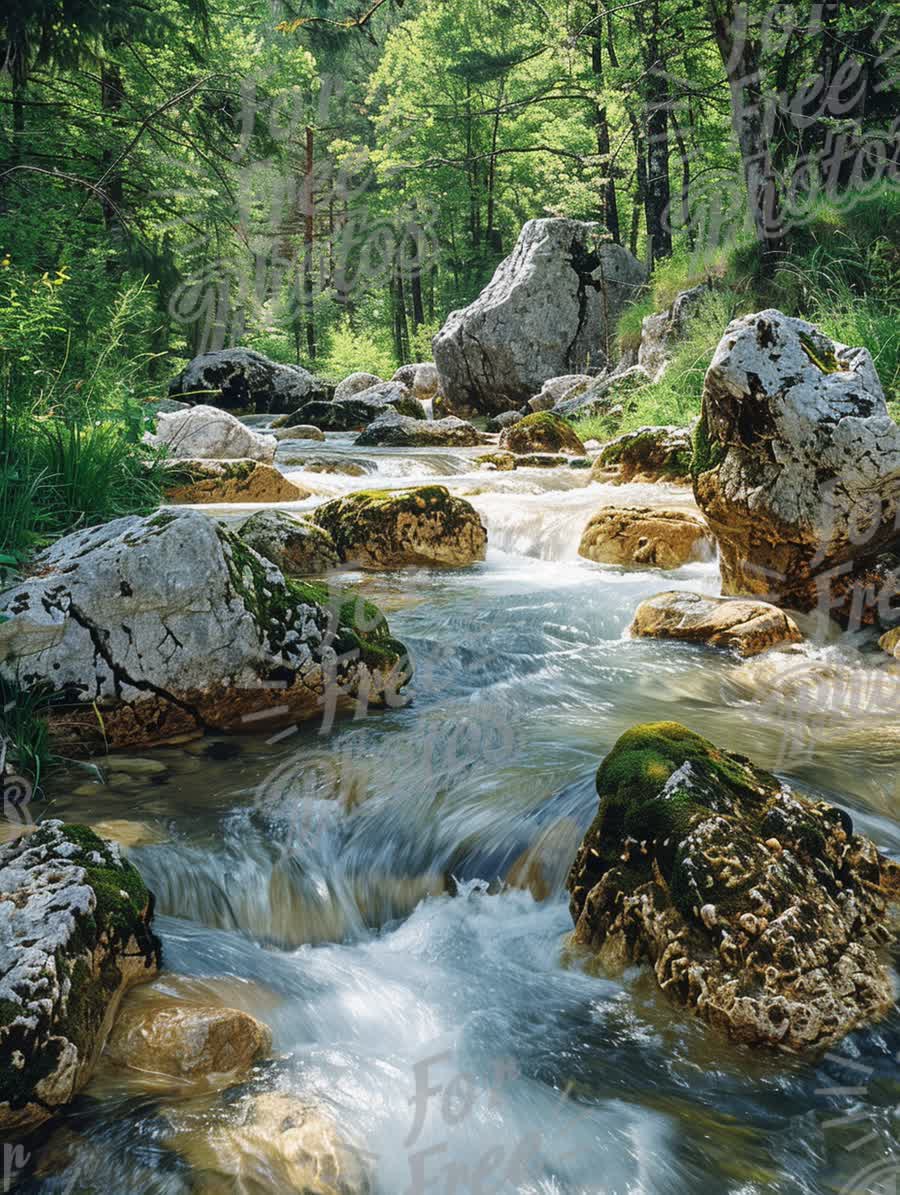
(708, 452)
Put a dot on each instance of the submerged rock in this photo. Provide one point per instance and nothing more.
(647, 536)
(394, 430)
(797, 467)
(350, 414)
(295, 546)
(242, 379)
(759, 910)
(549, 310)
(394, 528)
(190, 482)
(647, 454)
(164, 625)
(209, 434)
(75, 934)
(302, 431)
(747, 627)
(173, 1047)
(541, 432)
(264, 1143)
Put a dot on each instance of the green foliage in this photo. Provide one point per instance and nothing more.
(71, 426)
(348, 351)
(25, 730)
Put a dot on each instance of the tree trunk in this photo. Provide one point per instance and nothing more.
(608, 206)
(740, 52)
(657, 195)
(112, 97)
(309, 206)
(640, 182)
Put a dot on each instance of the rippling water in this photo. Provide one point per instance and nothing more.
(389, 897)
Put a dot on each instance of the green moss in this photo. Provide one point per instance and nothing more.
(822, 354)
(708, 453)
(121, 894)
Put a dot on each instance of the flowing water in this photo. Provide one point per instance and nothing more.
(388, 893)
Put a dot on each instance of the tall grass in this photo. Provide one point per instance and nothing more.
(842, 273)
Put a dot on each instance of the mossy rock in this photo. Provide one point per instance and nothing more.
(647, 454)
(296, 546)
(503, 462)
(759, 909)
(74, 936)
(395, 528)
(542, 432)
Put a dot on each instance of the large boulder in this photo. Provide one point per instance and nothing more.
(646, 454)
(156, 627)
(541, 432)
(192, 482)
(646, 537)
(244, 380)
(797, 464)
(355, 384)
(746, 627)
(394, 528)
(759, 910)
(351, 414)
(75, 934)
(392, 430)
(210, 434)
(550, 309)
(295, 546)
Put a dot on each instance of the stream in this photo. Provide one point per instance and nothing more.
(389, 895)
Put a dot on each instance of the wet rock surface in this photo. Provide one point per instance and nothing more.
(75, 934)
(648, 537)
(760, 911)
(747, 627)
(191, 482)
(393, 528)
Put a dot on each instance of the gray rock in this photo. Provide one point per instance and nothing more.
(421, 378)
(601, 394)
(295, 546)
(210, 434)
(556, 390)
(165, 406)
(549, 310)
(172, 623)
(303, 431)
(242, 379)
(398, 431)
(798, 464)
(660, 333)
(646, 454)
(355, 384)
(75, 934)
(350, 414)
(505, 419)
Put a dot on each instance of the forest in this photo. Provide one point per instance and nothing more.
(449, 597)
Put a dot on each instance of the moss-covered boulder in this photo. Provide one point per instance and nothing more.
(295, 545)
(152, 628)
(760, 910)
(646, 537)
(500, 462)
(75, 934)
(740, 625)
(542, 432)
(194, 482)
(647, 454)
(393, 528)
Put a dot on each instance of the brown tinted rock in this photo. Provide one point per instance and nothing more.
(296, 546)
(747, 627)
(646, 536)
(541, 432)
(395, 528)
(194, 482)
(760, 911)
(647, 454)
